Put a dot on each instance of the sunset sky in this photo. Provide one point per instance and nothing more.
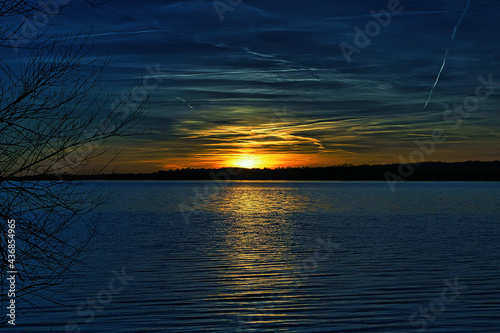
(269, 85)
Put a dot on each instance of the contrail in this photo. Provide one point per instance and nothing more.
(112, 34)
(180, 99)
(448, 50)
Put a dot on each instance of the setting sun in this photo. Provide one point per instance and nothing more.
(257, 160)
(247, 161)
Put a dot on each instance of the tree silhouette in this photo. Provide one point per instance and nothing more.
(55, 118)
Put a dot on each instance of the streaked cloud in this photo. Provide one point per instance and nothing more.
(224, 81)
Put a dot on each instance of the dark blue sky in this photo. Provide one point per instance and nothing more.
(269, 85)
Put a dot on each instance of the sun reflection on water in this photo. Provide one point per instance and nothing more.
(259, 276)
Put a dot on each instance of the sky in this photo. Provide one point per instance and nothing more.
(270, 83)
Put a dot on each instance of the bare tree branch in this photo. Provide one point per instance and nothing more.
(55, 118)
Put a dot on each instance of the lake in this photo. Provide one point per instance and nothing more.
(288, 257)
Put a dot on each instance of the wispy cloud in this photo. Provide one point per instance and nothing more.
(222, 80)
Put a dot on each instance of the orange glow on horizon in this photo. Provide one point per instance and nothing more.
(248, 160)
(255, 160)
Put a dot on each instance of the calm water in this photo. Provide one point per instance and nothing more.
(289, 257)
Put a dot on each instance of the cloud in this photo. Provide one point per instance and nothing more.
(223, 81)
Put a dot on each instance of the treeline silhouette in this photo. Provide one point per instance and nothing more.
(429, 171)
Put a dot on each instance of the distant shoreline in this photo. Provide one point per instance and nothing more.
(428, 171)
